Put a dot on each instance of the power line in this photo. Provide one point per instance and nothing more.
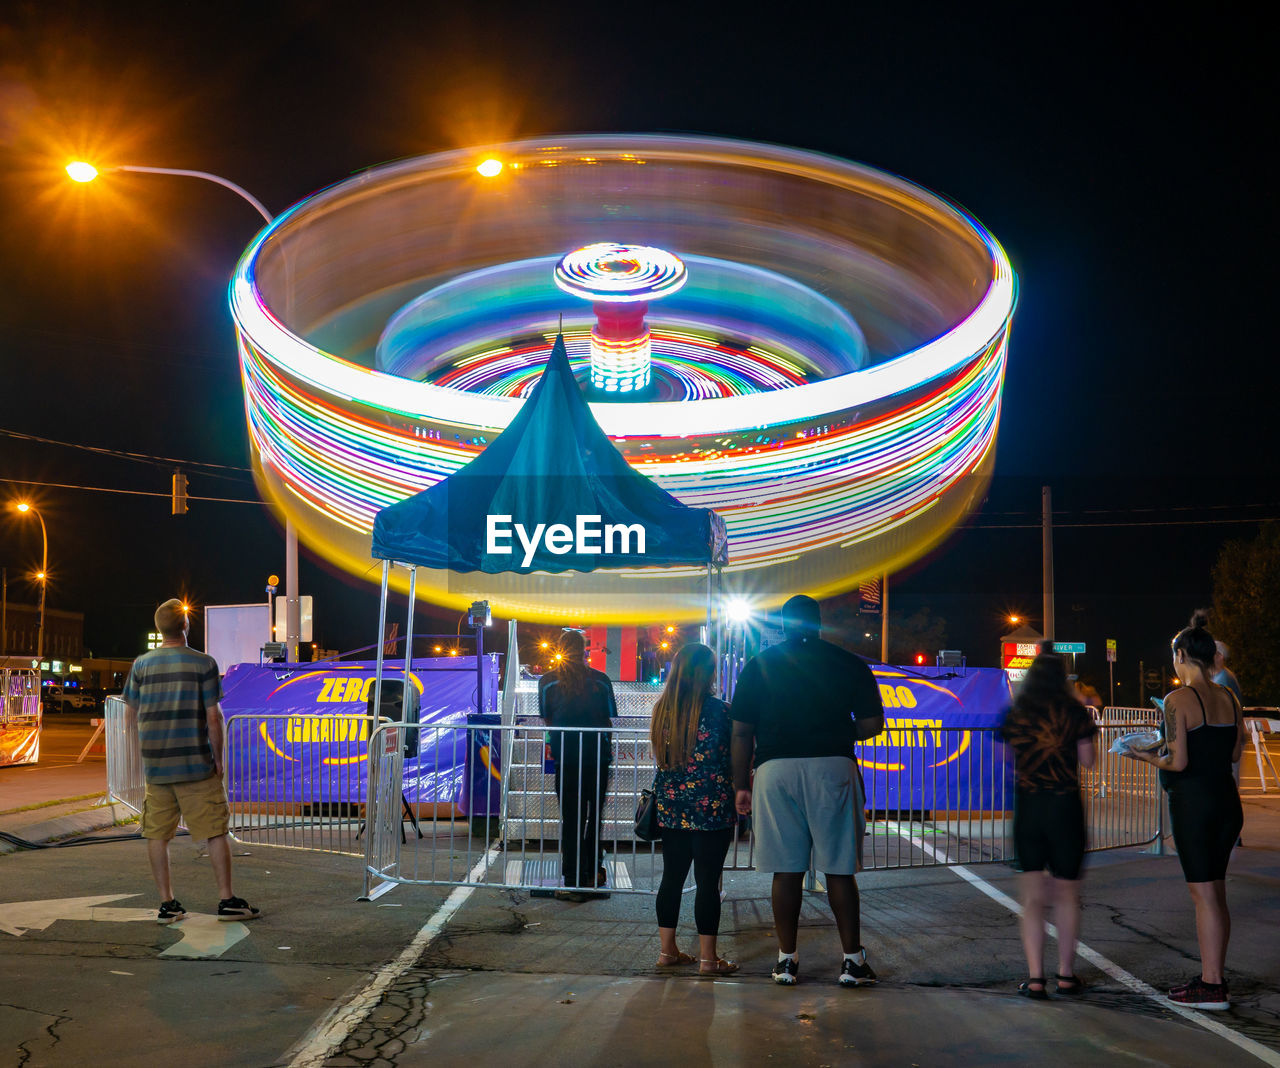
(141, 457)
(130, 492)
(1131, 523)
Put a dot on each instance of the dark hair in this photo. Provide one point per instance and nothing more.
(1196, 641)
(571, 671)
(1046, 683)
(801, 617)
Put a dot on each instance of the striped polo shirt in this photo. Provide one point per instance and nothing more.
(171, 687)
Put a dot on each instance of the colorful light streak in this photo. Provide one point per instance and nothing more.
(819, 482)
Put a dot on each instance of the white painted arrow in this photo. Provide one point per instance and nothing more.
(202, 936)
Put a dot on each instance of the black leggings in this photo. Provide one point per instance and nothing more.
(705, 850)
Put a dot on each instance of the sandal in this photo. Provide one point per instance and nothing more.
(1073, 987)
(1029, 989)
(720, 966)
(673, 960)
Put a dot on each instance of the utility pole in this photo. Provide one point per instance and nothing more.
(884, 618)
(1046, 526)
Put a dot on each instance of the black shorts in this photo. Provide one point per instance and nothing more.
(1048, 832)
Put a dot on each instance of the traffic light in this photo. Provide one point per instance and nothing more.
(919, 658)
(179, 493)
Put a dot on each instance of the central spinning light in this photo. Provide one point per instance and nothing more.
(620, 280)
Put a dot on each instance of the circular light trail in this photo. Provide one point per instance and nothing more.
(620, 280)
(823, 480)
(620, 274)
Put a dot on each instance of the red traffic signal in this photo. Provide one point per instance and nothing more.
(919, 658)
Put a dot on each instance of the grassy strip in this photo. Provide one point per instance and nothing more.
(51, 804)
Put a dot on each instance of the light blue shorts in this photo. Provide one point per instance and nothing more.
(803, 806)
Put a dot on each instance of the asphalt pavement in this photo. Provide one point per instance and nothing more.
(424, 974)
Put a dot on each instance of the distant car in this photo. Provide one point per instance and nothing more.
(80, 702)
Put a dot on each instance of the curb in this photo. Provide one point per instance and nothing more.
(97, 818)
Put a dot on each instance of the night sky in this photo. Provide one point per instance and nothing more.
(1118, 158)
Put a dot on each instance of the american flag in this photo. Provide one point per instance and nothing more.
(869, 598)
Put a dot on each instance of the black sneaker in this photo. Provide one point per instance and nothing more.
(170, 911)
(786, 972)
(1212, 997)
(236, 908)
(854, 974)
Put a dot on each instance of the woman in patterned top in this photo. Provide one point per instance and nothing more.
(694, 791)
(1052, 736)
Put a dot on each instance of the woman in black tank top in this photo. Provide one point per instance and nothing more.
(1205, 735)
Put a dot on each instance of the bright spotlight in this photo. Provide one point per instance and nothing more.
(738, 610)
(79, 171)
(490, 168)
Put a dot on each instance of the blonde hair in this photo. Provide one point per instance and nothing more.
(674, 727)
(170, 618)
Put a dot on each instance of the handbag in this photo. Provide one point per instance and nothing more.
(647, 829)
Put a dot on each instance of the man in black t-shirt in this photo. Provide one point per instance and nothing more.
(801, 706)
(577, 696)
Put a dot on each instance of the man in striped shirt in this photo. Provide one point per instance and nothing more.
(173, 695)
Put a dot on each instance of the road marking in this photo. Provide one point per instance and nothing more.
(203, 937)
(342, 1019)
(1109, 967)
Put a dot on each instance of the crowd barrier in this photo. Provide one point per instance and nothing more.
(126, 782)
(934, 796)
(298, 781)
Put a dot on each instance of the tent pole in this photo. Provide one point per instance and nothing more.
(408, 641)
(382, 637)
(708, 598)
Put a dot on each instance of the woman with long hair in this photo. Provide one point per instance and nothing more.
(694, 791)
(575, 695)
(1052, 736)
(1204, 737)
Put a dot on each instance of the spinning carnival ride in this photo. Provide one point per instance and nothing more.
(812, 348)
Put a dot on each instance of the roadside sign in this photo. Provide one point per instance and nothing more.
(1068, 647)
(1111, 650)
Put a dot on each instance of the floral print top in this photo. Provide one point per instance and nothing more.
(699, 796)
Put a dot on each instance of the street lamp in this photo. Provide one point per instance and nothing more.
(24, 507)
(80, 171)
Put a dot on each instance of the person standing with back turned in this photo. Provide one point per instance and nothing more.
(173, 693)
(577, 696)
(803, 705)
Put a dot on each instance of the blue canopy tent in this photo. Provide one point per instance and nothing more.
(551, 493)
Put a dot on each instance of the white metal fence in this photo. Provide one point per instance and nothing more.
(126, 782)
(934, 795)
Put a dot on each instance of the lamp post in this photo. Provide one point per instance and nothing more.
(80, 171)
(24, 507)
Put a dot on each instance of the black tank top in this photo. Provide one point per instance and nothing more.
(1210, 747)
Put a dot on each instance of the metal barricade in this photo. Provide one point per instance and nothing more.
(505, 830)
(936, 796)
(126, 780)
(1122, 796)
(298, 781)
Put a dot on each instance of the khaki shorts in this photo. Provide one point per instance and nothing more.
(202, 805)
(803, 806)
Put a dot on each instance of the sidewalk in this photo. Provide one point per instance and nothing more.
(58, 797)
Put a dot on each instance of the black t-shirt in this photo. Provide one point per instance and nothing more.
(592, 706)
(802, 697)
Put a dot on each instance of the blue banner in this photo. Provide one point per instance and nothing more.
(319, 751)
(938, 752)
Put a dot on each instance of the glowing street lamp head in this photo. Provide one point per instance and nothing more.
(23, 506)
(79, 171)
(490, 168)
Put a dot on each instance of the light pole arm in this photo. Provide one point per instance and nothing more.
(225, 183)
